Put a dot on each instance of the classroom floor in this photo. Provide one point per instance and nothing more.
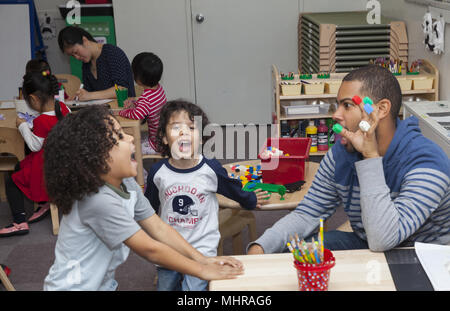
(30, 256)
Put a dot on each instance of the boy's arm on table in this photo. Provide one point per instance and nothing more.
(139, 112)
(165, 234)
(389, 222)
(321, 201)
(166, 256)
(162, 232)
(232, 188)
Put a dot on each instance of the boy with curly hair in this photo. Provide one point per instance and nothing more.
(105, 212)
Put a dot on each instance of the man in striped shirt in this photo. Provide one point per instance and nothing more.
(392, 182)
(147, 70)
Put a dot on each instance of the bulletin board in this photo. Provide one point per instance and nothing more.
(15, 47)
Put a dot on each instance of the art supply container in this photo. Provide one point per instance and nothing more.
(122, 95)
(311, 132)
(283, 170)
(322, 136)
(315, 277)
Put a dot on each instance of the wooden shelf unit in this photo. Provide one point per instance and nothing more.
(426, 70)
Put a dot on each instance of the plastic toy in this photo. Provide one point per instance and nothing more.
(337, 128)
(271, 152)
(364, 126)
(368, 105)
(252, 186)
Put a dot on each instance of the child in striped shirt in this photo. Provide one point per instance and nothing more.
(147, 70)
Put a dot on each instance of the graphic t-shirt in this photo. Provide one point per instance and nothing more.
(187, 200)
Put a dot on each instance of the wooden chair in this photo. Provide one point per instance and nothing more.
(12, 150)
(231, 224)
(6, 282)
(70, 82)
(346, 227)
(55, 217)
(7, 164)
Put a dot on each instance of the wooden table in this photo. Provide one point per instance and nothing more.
(359, 270)
(290, 201)
(11, 141)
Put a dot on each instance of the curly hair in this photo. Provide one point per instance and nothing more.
(76, 153)
(167, 111)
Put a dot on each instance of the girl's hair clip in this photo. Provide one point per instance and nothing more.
(46, 73)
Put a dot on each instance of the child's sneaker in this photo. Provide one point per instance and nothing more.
(40, 213)
(14, 229)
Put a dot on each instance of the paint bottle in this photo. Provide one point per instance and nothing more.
(311, 132)
(322, 136)
(331, 135)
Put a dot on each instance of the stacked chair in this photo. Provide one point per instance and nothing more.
(343, 41)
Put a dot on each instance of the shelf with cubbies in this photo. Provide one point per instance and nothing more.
(425, 85)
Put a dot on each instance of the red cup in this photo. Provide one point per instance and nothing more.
(315, 277)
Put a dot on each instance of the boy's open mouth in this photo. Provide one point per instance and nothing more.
(184, 145)
(133, 156)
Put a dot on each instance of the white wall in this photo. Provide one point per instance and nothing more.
(412, 14)
(57, 60)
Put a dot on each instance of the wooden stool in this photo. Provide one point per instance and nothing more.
(346, 227)
(55, 217)
(6, 282)
(231, 224)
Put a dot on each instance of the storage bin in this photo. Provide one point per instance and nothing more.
(314, 88)
(285, 170)
(300, 108)
(291, 89)
(332, 86)
(423, 83)
(405, 83)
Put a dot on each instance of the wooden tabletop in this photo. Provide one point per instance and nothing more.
(10, 118)
(355, 270)
(290, 201)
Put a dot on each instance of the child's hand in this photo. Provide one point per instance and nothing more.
(220, 260)
(129, 103)
(261, 197)
(19, 121)
(217, 271)
(115, 112)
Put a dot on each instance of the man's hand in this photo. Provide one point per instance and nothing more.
(365, 142)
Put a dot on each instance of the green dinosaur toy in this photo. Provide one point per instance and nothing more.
(252, 186)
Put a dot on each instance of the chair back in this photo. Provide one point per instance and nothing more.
(70, 82)
(8, 142)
